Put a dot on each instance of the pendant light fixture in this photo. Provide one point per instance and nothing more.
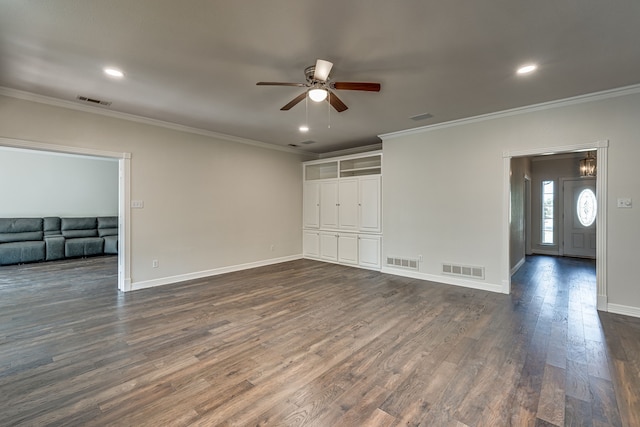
(588, 166)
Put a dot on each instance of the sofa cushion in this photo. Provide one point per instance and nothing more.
(85, 246)
(78, 227)
(20, 229)
(107, 226)
(19, 252)
(54, 246)
(51, 225)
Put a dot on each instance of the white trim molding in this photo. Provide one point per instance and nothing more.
(601, 220)
(135, 286)
(72, 105)
(124, 194)
(472, 284)
(595, 96)
(623, 309)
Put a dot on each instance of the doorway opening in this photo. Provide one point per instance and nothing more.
(124, 171)
(529, 247)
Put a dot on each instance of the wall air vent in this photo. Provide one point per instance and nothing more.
(422, 116)
(93, 101)
(463, 270)
(408, 263)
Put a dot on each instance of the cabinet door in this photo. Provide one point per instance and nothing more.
(348, 204)
(329, 246)
(311, 204)
(311, 244)
(370, 206)
(369, 253)
(348, 248)
(329, 204)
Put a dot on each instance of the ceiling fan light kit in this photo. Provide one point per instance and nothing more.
(318, 94)
(320, 87)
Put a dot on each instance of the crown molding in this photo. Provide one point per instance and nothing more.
(57, 102)
(595, 96)
(356, 150)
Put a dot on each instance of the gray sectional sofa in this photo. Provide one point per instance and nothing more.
(25, 240)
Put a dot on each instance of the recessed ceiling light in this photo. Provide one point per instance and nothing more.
(526, 69)
(113, 72)
(304, 128)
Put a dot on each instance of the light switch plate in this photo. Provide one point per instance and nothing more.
(624, 203)
(137, 204)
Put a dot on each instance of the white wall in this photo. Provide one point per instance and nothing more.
(443, 187)
(209, 202)
(37, 184)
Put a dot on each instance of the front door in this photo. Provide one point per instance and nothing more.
(579, 219)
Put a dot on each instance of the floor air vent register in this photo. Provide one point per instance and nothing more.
(463, 271)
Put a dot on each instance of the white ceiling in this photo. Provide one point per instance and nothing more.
(196, 62)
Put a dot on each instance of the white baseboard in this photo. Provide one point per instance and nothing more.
(550, 252)
(206, 273)
(491, 287)
(623, 309)
(601, 303)
(517, 266)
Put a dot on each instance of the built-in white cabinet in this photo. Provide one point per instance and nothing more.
(342, 210)
(329, 246)
(311, 204)
(348, 204)
(348, 248)
(311, 244)
(369, 250)
(329, 207)
(369, 203)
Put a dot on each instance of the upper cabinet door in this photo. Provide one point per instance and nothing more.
(370, 206)
(329, 204)
(311, 208)
(348, 204)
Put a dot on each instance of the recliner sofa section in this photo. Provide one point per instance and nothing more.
(25, 240)
(21, 240)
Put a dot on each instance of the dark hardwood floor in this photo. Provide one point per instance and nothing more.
(308, 343)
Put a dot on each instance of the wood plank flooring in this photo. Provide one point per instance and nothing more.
(314, 344)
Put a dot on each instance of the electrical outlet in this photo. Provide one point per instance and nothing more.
(155, 263)
(272, 248)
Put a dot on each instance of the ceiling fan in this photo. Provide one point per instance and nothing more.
(320, 86)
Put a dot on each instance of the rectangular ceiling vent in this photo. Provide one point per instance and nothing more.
(308, 142)
(408, 263)
(93, 101)
(463, 270)
(423, 116)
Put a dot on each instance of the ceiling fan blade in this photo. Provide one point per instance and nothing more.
(369, 87)
(336, 102)
(323, 68)
(280, 84)
(294, 101)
